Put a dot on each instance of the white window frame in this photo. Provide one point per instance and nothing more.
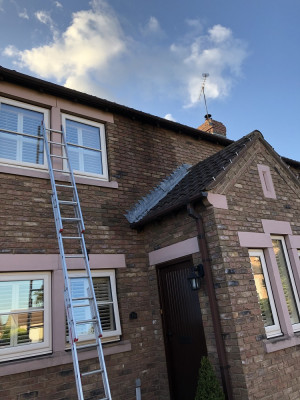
(30, 107)
(108, 336)
(30, 350)
(273, 330)
(103, 150)
(296, 327)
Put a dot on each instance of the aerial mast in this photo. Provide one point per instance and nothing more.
(204, 75)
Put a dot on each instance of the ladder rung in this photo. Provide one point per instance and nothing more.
(65, 186)
(74, 256)
(53, 130)
(95, 371)
(70, 219)
(86, 321)
(71, 237)
(67, 202)
(58, 143)
(56, 156)
(81, 298)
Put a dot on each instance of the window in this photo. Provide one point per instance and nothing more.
(86, 146)
(264, 291)
(106, 296)
(20, 133)
(287, 280)
(24, 315)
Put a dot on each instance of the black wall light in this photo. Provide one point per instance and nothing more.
(195, 276)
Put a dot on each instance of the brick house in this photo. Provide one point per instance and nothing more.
(158, 199)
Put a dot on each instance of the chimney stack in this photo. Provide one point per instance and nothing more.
(212, 126)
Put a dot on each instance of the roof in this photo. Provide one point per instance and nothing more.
(40, 85)
(191, 187)
(43, 86)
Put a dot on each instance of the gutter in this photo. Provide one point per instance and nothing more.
(224, 367)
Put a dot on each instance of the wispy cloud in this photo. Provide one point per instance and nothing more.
(152, 27)
(24, 14)
(58, 4)
(95, 55)
(170, 117)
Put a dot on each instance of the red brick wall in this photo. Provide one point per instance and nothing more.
(139, 157)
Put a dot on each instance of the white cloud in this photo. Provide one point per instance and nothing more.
(170, 117)
(11, 51)
(24, 14)
(58, 4)
(90, 42)
(219, 54)
(219, 33)
(1, 5)
(95, 55)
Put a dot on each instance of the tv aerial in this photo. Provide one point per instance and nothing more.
(204, 75)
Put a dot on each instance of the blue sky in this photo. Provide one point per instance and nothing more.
(151, 54)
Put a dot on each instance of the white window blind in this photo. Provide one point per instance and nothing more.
(105, 292)
(84, 146)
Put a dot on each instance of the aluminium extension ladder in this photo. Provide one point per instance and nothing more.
(67, 211)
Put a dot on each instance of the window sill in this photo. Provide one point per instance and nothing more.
(59, 358)
(43, 173)
(281, 342)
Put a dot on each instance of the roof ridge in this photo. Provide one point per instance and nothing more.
(143, 206)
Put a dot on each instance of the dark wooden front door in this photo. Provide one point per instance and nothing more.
(183, 329)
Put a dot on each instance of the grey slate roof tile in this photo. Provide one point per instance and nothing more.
(198, 178)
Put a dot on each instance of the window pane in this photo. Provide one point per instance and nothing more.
(21, 312)
(87, 137)
(8, 117)
(8, 146)
(104, 300)
(18, 147)
(286, 281)
(33, 151)
(92, 161)
(261, 289)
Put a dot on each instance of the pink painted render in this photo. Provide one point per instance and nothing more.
(51, 262)
(217, 200)
(276, 227)
(294, 241)
(174, 251)
(48, 101)
(266, 181)
(254, 240)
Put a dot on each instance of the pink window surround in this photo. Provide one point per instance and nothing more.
(264, 241)
(266, 181)
(51, 262)
(177, 250)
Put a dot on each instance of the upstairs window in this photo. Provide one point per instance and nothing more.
(86, 146)
(287, 280)
(264, 292)
(20, 133)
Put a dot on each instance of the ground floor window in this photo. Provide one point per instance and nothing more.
(264, 292)
(106, 297)
(25, 324)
